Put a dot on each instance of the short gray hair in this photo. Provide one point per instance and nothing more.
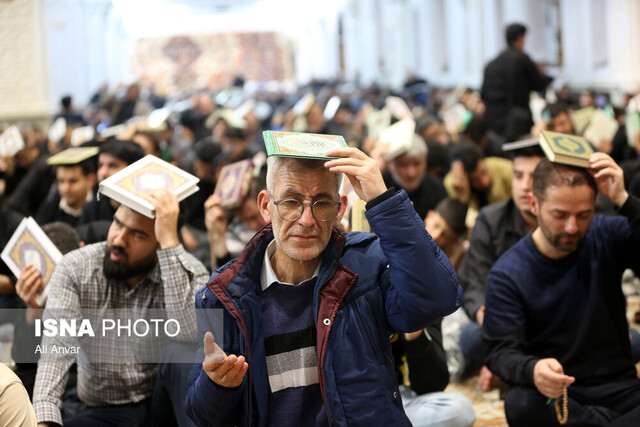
(290, 164)
(418, 147)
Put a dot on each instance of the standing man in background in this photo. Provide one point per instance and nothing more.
(507, 84)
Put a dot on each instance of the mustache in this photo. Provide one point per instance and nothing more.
(118, 250)
(301, 229)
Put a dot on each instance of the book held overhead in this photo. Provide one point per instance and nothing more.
(133, 185)
(566, 149)
(303, 145)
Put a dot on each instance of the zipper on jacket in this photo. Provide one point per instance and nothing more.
(334, 268)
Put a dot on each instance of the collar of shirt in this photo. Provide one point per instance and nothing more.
(64, 206)
(268, 276)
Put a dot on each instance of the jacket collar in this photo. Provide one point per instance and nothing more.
(249, 262)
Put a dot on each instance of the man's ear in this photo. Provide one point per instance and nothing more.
(263, 205)
(341, 209)
(533, 202)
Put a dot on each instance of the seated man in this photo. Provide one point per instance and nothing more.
(308, 311)
(555, 320)
(141, 266)
(477, 180)
(446, 224)
(228, 238)
(498, 227)
(559, 116)
(408, 171)
(75, 184)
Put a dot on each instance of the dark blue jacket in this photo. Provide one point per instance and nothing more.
(367, 286)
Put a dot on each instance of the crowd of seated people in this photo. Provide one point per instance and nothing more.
(474, 198)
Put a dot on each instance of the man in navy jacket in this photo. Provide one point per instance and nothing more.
(308, 310)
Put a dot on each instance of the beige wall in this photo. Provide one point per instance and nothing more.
(24, 89)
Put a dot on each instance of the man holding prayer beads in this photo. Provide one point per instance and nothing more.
(555, 320)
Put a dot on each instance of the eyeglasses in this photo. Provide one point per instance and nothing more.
(323, 210)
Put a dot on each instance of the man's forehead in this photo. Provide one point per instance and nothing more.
(69, 170)
(405, 159)
(523, 163)
(106, 157)
(564, 194)
(132, 219)
(309, 181)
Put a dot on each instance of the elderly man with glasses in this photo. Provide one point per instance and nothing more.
(307, 310)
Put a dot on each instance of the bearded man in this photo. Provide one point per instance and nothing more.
(142, 266)
(555, 319)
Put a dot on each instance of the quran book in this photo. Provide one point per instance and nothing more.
(113, 131)
(30, 245)
(456, 117)
(523, 143)
(11, 142)
(245, 108)
(377, 121)
(398, 108)
(632, 126)
(600, 127)
(581, 118)
(133, 185)
(304, 104)
(58, 129)
(228, 115)
(399, 137)
(566, 149)
(233, 183)
(332, 107)
(157, 118)
(303, 145)
(359, 221)
(81, 135)
(72, 156)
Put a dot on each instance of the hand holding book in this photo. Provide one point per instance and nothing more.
(29, 285)
(165, 204)
(609, 178)
(362, 171)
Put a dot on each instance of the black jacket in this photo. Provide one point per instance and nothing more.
(498, 227)
(508, 81)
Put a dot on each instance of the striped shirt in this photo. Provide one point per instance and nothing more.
(295, 398)
(78, 283)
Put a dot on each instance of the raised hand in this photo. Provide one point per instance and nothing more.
(460, 182)
(167, 209)
(226, 371)
(29, 285)
(215, 216)
(609, 177)
(550, 379)
(362, 171)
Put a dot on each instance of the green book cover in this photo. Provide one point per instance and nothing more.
(564, 148)
(303, 145)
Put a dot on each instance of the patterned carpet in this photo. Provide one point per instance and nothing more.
(488, 406)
